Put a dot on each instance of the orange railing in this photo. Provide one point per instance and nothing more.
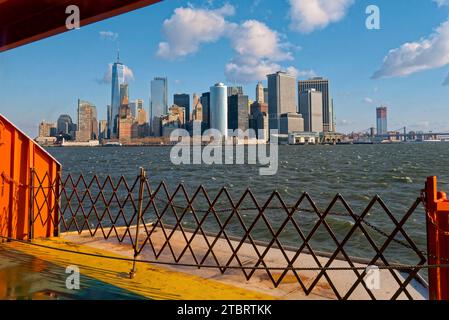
(20, 157)
(437, 208)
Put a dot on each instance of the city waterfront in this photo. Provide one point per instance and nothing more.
(395, 172)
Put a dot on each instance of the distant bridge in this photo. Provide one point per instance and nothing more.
(402, 133)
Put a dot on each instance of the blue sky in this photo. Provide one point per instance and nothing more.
(198, 43)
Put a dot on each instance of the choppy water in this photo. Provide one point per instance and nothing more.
(395, 172)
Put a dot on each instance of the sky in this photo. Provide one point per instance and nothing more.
(403, 65)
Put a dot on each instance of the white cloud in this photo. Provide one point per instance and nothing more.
(441, 3)
(310, 15)
(302, 73)
(368, 100)
(188, 28)
(427, 53)
(109, 35)
(255, 39)
(258, 49)
(249, 71)
(242, 71)
(107, 78)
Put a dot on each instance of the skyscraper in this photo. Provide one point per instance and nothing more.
(124, 94)
(159, 103)
(311, 108)
(118, 79)
(234, 90)
(127, 125)
(173, 120)
(183, 100)
(265, 95)
(135, 106)
(322, 85)
(281, 97)
(381, 116)
(197, 112)
(142, 123)
(259, 120)
(65, 125)
(290, 122)
(260, 97)
(133, 109)
(139, 103)
(219, 108)
(47, 129)
(257, 107)
(102, 129)
(87, 121)
(108, 119)
(205, 102)
(238, 112)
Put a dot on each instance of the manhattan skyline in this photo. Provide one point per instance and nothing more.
(77, 64)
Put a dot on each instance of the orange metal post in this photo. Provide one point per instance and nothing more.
(437, 208)
(24, 212)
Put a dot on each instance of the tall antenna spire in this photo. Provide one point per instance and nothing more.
(118, 52)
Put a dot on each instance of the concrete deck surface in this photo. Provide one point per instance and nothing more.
(260, 282)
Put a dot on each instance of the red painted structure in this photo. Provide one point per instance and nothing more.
(25, 21)
(25, 214)
(437, 208)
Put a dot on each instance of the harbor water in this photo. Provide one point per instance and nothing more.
(395, 172)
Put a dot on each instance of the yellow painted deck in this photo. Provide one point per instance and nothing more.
(151, 281)
(103, 278)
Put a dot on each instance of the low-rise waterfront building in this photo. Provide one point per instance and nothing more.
(45, 141)
(331, 137)
(303, 138)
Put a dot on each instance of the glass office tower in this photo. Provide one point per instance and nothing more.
(118, 79)
(159, 103)
(381, 117)
(219, 108)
